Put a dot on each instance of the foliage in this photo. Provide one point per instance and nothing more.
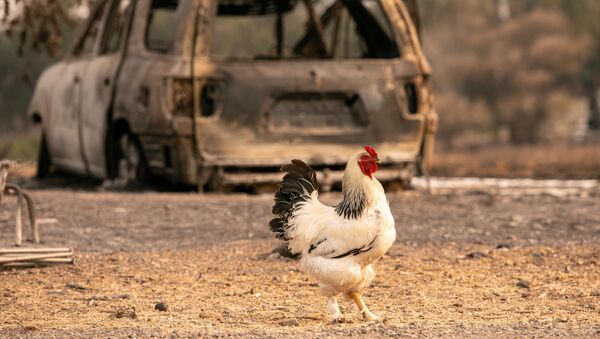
(510, 65)
(39, 24)
(33, 34)
(23, 147)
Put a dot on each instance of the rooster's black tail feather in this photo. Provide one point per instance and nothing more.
(297, 186)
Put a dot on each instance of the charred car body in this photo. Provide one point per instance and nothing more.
(217, 93)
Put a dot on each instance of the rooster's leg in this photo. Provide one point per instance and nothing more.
(357, 297)
(334, 309)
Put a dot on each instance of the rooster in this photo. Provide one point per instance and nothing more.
(338, 245)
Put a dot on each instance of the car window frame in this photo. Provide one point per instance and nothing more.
(395, 37)
(98, 12)
(127, 17)
(177, 30)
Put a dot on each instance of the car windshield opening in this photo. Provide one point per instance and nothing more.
(301, 29)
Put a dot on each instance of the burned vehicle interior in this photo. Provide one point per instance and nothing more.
(291, 29)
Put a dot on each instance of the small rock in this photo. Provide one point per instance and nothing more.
(125, 313)
(503, 245)
(476, 255)
(161, 307)
(523, 283)
(121, 296)
(74, 286)
(289, 322)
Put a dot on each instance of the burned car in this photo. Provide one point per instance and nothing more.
(221, 93)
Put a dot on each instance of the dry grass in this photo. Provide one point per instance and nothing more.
(543, 161)
(233, 289)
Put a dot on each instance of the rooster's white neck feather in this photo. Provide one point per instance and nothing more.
(357, 189)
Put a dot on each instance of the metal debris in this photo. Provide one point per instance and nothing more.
(26, 257)
(33, 257)
(13, 189)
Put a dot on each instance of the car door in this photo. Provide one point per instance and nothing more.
(98, 86)
(63, 134)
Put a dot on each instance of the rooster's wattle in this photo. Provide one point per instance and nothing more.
(338, 245)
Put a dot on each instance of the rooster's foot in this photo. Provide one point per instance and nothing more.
(368, 316)
(334, 310)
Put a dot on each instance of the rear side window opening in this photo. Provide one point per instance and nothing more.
(162, 26)
(301, 29)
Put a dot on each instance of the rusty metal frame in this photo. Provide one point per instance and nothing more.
(22, 198)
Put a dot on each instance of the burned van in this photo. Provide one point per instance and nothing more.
(221, 93)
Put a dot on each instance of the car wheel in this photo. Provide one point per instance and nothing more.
(131, 165)
(43, 164)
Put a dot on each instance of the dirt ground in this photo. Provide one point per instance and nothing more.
(476, 261)
(577, 161)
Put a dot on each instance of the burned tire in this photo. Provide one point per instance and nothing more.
(44, 164)
(132, 170)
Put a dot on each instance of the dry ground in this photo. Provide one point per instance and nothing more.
(454, 271)
(538, 161)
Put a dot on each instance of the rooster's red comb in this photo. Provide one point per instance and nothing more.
(371, 151)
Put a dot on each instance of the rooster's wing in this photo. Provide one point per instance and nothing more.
(318, 230)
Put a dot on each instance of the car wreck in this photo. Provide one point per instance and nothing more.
(222, 93)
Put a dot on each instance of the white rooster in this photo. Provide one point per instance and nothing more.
(338, 245)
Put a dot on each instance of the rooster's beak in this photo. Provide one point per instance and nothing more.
(377, 161)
